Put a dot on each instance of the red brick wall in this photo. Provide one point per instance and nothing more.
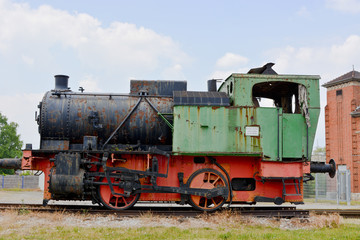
(341, 129)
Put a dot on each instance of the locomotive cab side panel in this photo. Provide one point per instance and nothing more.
(287, 126)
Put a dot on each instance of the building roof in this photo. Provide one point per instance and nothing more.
(348, 77)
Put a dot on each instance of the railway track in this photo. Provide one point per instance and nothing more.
(267, 212)
(346, 213)
(256, 211)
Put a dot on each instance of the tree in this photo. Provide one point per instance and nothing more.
(10, 144)
(319, 151)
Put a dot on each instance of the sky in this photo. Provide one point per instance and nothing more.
(101, 45)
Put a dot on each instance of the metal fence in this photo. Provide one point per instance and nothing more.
(16, 181)
(337, 189)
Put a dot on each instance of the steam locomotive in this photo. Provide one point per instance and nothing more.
(161, 142)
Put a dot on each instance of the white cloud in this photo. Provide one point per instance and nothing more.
(173, 72)
(220, 74)
(27, 60)
(228, 64)
(44, 34)
(53, 41)
(303, 12)
(348, 52)
(350, 6)
(230, 60)
(89, 84)
(329, 62)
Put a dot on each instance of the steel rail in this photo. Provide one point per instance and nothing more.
(346, 213)
(264, 212)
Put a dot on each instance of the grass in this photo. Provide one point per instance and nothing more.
(245, 232)
(20, 189)
(222, 225)
(353, 203)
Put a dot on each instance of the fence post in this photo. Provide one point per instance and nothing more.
(316, 187)
(22, 182)
(3, 181)
(348, 187)
(338, 187)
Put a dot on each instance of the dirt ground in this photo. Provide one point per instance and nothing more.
(10, 220)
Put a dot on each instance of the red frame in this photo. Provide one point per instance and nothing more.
(267, 174)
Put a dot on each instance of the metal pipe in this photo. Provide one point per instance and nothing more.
(278, 134)
(321, 167)
(10, 163)
(107, 94)
(122, 123)
(307, 142)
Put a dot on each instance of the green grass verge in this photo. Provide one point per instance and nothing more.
(345, 231)
(353, 203)
(20, 189)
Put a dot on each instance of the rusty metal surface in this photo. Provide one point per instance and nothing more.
(10, 163)
(67, 185)
(70, 117)
(157, 88)
(66, 177)
(212, 130)
(284, 133)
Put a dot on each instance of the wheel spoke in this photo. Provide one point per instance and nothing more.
(124, 199)
(218, 177)
(206, 179)
(116, 202)
(205, 204)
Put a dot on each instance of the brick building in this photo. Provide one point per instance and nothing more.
(342, 125)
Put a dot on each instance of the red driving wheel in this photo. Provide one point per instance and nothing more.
(115, 202)
(207, 179)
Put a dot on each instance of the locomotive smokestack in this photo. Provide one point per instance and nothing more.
(61, 82)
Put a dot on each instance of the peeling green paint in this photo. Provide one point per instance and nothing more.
(210, 130)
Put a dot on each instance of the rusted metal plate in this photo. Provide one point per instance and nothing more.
(156, 88)
(214, 130)
(55, 145)
(74, 116)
